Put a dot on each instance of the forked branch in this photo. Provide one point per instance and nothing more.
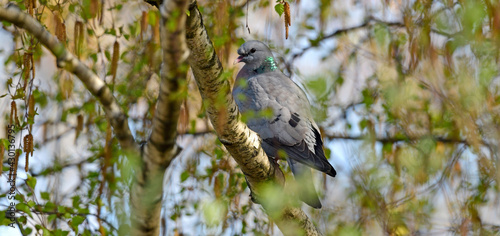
(69, 62)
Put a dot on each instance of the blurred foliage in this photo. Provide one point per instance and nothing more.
(406, 93)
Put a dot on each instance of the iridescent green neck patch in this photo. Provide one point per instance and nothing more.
(271, 63)
(268, 65)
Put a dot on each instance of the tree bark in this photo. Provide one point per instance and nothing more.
(147, 191)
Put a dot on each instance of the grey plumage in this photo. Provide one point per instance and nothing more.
(261, 86)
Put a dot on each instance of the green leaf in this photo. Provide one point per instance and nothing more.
(52, 217)
(76, 201)
(86, 233)
(3, 219)
(19, 94)
(279, 8)
(214, 212)
(5, 142)
(72, 7)
(19, 197)
(31, 181)
(61, 209)
(24, 208)
(328, 153)
(84, 211)
(387, 148)
(28, 231)
(184, 176)
(64, 115)
(319, 87)
(367, 97)
(94, 57)
(60, 232)
(22, 219)
(381, 35)
(340, 80)
(77, 220)
(363, 124)
(88, 107)
(70, 210)
(40, 98)
(49, 206)
(112, 31)
(6, 23)
(108, 55)
(31, 203)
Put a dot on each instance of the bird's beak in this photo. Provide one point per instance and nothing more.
(238, 60)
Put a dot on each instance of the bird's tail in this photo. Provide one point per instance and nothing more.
(304, 184)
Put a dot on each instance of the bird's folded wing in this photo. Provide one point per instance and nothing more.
(290, 126)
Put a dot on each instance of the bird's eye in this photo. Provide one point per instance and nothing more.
(252, 50)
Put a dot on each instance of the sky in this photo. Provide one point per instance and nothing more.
(264, 24)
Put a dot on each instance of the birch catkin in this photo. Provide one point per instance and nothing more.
(13, 113)
(288, 21)
(31, 111)
(144, 24)
(79, 126)
(60, 28)
(78, 38)
(114, 60)
(27, 68)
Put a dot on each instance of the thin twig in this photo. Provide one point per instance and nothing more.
(79, 214)
(396, 139)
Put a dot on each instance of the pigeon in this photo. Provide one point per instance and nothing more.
(282, 117)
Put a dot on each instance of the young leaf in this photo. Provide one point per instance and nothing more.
(31, 181)
(279, 8)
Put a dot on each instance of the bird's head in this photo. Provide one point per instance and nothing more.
(253, 53)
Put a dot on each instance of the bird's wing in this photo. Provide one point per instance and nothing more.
(290, 126)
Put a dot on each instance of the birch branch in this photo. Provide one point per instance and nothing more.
(69, 62)
(146, 194)
(243, 144)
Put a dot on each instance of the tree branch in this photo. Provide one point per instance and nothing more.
(66, 60)
(367, 23)
(39, 211)
(146, 193)
(397, 139)
(243, 144)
